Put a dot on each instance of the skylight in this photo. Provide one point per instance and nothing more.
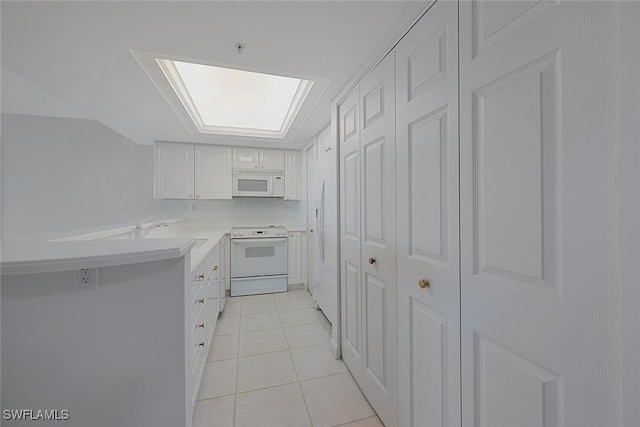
(236, 102)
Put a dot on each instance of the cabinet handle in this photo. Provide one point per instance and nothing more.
(372, 260)
(201, 277)
(424, 283)
(190, 195)
(197, 196)
(201, 301)
(215, 268)
(201, 344)
(201, 325)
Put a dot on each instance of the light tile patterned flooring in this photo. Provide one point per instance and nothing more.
(270, 366)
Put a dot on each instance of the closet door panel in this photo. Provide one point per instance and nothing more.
(378, 257)
(351, 281)
(540, 299)
(428, 243)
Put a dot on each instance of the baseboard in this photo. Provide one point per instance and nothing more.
(295, 286)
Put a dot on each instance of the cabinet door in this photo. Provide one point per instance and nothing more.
(427, 173)
(246, 158)
(272, 159)
(378, 228)
(212, 172)
(294, 275)
(540, 284)
(173, 170)
(292, 177)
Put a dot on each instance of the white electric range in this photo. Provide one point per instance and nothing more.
(258, 260)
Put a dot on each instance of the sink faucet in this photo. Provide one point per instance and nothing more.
(143, 229)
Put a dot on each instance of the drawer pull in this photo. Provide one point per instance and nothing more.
(201, 277)
(201, 344)
(372, 260)
(201, 325)
(201, 301)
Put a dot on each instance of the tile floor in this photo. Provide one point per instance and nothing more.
(270, 366)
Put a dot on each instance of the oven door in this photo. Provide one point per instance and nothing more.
(245, 185)
(265, 256)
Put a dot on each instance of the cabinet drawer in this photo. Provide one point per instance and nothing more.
(210, 317)
(198, 361)
(198, 343)
(196, 306)
(205, 266)
(210, 289)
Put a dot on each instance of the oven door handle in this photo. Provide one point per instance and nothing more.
(260, 240)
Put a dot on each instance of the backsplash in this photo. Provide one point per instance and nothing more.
(247, 211)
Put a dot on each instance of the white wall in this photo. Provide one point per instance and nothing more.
(64, 175)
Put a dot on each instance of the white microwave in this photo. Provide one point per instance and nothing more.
(258, 183)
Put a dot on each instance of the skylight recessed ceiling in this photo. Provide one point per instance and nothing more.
(236, 102)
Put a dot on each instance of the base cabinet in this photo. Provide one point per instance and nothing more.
(296, 271)
(204, 300)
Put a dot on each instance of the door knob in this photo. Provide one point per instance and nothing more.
(372, 260)
(423, 283)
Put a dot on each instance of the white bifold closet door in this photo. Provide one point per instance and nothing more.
(428, 223)
(540, 295)
(368, 227)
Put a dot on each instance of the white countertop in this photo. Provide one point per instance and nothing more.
(112, 247)
(28, 257)
(105, 249)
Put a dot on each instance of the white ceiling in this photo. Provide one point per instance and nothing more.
(78, 53)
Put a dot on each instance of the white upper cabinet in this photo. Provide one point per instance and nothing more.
(246, 158)
(174, 171)
(292, 183)
(254, 158)
(188, 171)
(272, 159)
(212, 172)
